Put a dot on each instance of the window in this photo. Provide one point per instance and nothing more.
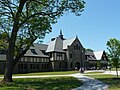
(71, 65)
(59, 54)
(60, 65)
(31, 66)
(43, 51)
(45, 66)
(25, 66)
(70, 55)
(65, 64)
(76, 47)
(37, 66)
(50, 55)
(33, 51)
(79, 47)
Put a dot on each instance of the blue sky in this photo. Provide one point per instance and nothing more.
(99, 22)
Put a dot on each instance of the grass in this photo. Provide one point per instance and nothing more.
(111, 80)
(46, 73)
(56, 83)
(114, 69)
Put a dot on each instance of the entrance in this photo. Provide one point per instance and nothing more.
(77, 64)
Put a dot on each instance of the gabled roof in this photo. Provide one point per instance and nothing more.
(55, 45)
(90, 55)
(68, 42)
(98, 54)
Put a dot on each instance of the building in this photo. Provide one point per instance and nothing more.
(96, 60)
(59, 54)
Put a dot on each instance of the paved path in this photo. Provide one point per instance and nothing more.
(111, 72)
(88, 83)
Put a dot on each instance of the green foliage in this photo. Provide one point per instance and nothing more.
(114, 52)
(88, 49)
(56, 83)
(24, 21)
(32, 19)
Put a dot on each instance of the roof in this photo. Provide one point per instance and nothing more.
(36, 53)
(89, 53)
(55, 45)
(40, 46)
(98, 54)
(68, 42)
(36, 50)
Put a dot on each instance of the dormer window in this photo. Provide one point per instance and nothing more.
(33, 51)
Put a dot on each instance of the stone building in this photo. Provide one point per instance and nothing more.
(59, 54)
(96, 60)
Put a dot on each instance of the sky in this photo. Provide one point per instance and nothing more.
(99, 22)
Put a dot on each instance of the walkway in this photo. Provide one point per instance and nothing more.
(90, 83)
(111, 72)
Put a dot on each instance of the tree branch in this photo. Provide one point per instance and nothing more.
(24, 51)
(52, 15)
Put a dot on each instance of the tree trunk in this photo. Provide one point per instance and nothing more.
(117, 72)
(9, 66)
(8, 73)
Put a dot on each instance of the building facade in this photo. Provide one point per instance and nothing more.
(96, 60)
(58, 55)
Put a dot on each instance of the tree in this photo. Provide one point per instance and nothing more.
(114, 52)
(24, 21)
(88, 49)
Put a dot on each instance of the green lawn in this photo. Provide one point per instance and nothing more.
(56, 83)
(114, 69)
(108, 79)
(46, 73)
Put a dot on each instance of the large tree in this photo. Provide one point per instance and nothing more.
(24, 21)
(114, 52)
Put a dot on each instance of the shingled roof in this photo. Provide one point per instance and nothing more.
(36, 50)
(68, 42)
(97, 55)
(55, 45)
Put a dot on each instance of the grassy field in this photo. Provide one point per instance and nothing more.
(114, 84)
(114, 69)
(56, 83)
(46, 73)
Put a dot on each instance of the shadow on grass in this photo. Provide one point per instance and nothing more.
(111, 80)
(56, 83)
(114, 83)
